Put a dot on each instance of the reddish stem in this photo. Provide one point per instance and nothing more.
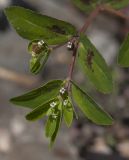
(89, 20)
(110, 10)
(73, 60)
(95, 13)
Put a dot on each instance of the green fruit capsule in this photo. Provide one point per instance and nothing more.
(40, 53)
(36, 47)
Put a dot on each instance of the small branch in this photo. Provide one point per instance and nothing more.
(95, 13)
(58, 46)
(72, 64)
(76, 42)
(19, 78)
(90, 19)
(110, 10)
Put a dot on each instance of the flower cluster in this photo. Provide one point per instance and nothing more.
(53, 104)
(54, 116)
(40, 43)
(65, 102)
(70, 45)
(33, 54)
(62, 90)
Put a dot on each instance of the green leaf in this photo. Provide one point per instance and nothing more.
(118, 5)
(94, 66)
(89, 6)
(37, 63)
(89, 107)
(68, 112)
(40, 54)
(31, 25)
(39, 96)
(86, 6)
(50, 127)
(58, 123)
(123, 57)
(40, 111)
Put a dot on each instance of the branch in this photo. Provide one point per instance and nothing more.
(95, 13)
(19, 78)
(110, 10)
(90, 19)
(76, 42)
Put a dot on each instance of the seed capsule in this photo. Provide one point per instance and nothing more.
(36, 47)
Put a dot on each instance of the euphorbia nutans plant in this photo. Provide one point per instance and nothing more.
(54, 99)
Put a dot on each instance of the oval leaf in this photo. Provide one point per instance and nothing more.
(31, 25)
(39, 96)
(50, 127)
(40, 111)
(123, 57)
(58, 123)
(68, 112)
(88, 106)
(94, 66)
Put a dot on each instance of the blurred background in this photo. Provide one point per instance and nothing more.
(20, 139)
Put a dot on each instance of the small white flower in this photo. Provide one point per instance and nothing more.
(62, 90)
(40, 43)
(65, 102)
(53, 104)
(54, 116)
(33, 54)
(70, 45)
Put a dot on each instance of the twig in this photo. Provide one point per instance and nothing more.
(89, 20)
(95, 13)
(72, 64)
(110, 10)
(75, 41)
(18, 78)
(58, 46)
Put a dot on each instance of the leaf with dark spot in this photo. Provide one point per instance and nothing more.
(57, 29)
(94, 66)
(89, 59)
(32, 25)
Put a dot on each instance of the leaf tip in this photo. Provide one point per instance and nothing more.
(12, 100)
(109, 122)
(28, 117)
